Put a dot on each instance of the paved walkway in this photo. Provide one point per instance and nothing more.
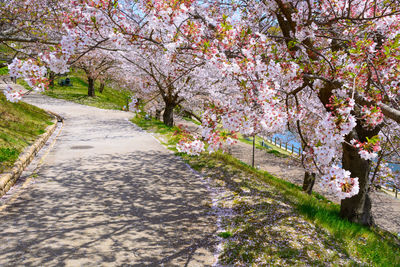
(107, 194)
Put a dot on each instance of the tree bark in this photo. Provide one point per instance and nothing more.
(101, 88)
(308, 182)
(358, 208)
(168, 116)
(91, 91)
(52, 76)
(158, 114)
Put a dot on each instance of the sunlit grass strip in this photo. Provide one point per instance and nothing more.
(373, 246)
(20, 125)
(78, 93)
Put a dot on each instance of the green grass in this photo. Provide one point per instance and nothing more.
(109, 99)
(20, 125)
(153, 124)
(373, 247)
(5, 52)
(192, 120)
(156, 126)
(8, 154)
(3, 71)
(225, 234)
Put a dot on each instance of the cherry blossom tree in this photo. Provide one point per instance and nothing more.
(47, 33)
(327, 70)
(95, 64)
(164, 76)
(23, 35)
(163, 58)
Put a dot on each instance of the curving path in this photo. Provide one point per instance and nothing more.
(107, 194)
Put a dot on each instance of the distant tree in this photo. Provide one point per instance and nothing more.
(95, 64)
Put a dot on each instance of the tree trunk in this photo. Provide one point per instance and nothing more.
(357, 208)
(52, 76)
(308, 182)
(158, 114)
(168, 116)
(91, 87)
(101, 88)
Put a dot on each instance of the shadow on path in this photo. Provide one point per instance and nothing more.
(137, 208)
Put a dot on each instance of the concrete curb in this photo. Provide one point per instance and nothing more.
(8, 179)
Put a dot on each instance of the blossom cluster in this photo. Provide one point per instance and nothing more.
(367, 150)
(56, 63)
(12, 95)
(134, 105)
(372, 116)
(329, 135)
(193, 148)
(339, 182)
(31, 71)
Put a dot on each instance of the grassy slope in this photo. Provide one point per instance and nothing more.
(4, 53)
(371, 247)
(109, 99)
(20, 125)
(4, 71)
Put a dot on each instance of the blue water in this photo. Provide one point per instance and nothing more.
(394, 167)
(291, 139)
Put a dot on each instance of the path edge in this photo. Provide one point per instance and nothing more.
(8, 179)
